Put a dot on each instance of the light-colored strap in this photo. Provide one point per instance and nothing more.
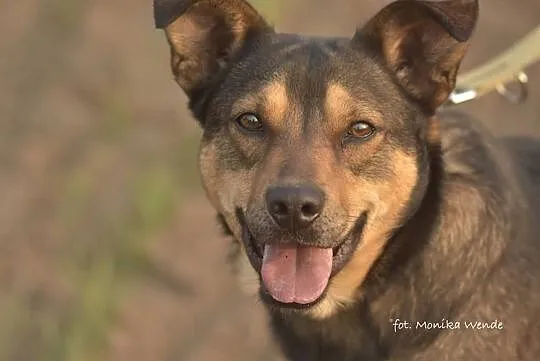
(496, 74)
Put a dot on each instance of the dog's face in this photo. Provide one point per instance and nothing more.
(315, 150)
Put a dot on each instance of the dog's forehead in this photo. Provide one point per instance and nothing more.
(306, 65)
(308, 72)
(302, 58)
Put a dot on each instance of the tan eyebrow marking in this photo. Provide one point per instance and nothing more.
(272, 101)
(339, 103)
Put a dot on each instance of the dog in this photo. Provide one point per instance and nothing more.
(372, 223)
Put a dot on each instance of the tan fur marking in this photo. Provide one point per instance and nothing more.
(338, 100)
(434, 132)
(276, 101)
(221, 189)
(224, 190)
(384, 200)
(342, 107)
(271, 101)
(207, 168)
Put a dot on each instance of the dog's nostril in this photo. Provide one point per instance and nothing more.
(309, 210)
(279, 208)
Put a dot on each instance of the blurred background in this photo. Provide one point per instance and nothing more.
(108, 247)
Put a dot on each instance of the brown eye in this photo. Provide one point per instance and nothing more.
(361, 131)
(249, 122)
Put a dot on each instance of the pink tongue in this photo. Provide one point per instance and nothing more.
(294, 273)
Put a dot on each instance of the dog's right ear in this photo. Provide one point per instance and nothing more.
(205, 35)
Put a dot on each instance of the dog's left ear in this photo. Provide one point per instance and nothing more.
(205, 35)
(423, 44)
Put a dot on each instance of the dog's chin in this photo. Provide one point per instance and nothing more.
(342, 254)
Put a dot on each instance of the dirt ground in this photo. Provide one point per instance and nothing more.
(108, 248)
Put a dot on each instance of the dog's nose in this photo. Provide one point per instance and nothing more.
(294, 207)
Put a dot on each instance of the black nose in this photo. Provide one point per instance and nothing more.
(294, 207)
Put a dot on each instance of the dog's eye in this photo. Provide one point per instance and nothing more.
(361, 130)
(249, 122)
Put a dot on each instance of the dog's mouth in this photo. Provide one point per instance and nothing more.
(294, 275)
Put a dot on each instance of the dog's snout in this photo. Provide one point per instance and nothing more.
(295, 207)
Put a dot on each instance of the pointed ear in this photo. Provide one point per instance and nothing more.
(205, 35)
(423, 44)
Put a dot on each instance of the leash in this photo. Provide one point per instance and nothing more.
(498, 73)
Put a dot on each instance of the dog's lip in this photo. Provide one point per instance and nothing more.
(342, 253)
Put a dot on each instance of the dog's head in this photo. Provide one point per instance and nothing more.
(315, 150)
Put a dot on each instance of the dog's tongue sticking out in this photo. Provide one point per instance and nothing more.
(298, 274)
